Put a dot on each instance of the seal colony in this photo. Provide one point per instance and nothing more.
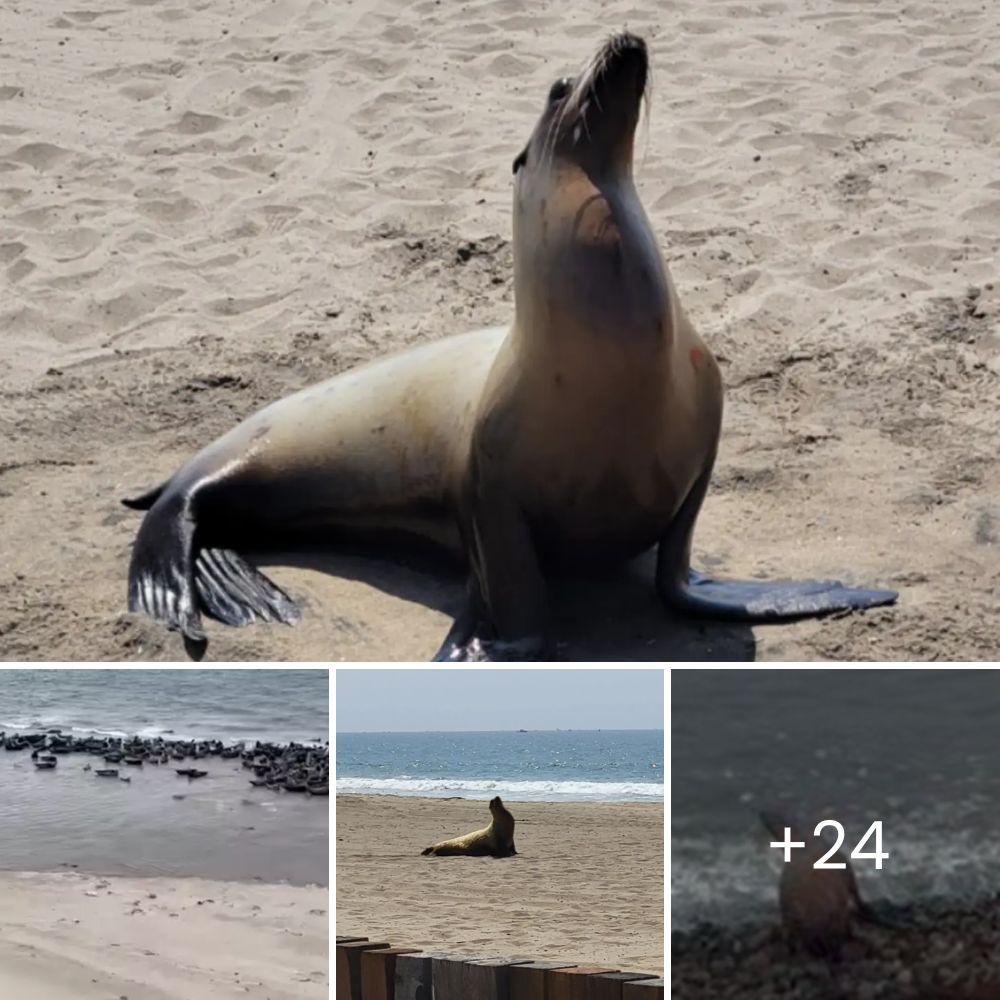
(292, 767)
(495, 840)
(583, 434)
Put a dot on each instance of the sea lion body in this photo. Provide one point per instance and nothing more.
(584, 433)
(381, 445)
(819, 906)
(495, 840)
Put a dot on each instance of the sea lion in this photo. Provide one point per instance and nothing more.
(582, 434)
(819, 906)
(495, 840)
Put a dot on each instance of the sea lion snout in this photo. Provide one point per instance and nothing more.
(623, 60)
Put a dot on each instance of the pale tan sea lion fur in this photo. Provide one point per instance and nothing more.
(496, 840)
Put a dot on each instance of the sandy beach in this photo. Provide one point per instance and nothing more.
(80, 937)
(122, 878)
(205, 207)
(586, 885)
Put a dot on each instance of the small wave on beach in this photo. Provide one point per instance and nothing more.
(516, 791)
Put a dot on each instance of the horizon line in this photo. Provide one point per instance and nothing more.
(390, 732)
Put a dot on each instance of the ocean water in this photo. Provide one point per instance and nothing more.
(917, 749)
(559, 766)
(230, 705)
(159, 823)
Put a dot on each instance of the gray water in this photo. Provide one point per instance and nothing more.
(159, 823)
(276, 705)
(918, 749)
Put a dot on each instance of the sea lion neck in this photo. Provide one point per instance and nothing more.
(587, 266)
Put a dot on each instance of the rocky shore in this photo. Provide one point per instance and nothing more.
(932, 950)
(292, 767)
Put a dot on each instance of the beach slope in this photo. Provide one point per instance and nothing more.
(69, 936)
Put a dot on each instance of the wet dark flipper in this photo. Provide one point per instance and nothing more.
(174, 581)
(690, 592)
(236, 593)
(161, 580)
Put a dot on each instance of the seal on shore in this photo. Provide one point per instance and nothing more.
(495, 840)
(819, 906)
(583, 434)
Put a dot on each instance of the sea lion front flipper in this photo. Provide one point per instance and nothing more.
(773, 600)
(691, 592)
(506, 609)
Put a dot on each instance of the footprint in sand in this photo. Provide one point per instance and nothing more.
(40, 155)
(176, 209)
(262, 97)
(192, 123)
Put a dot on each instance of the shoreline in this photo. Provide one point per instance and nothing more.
(610, 854)
(76, 936)
(85, 871)
(932, 948)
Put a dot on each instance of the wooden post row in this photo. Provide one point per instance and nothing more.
(376, 971)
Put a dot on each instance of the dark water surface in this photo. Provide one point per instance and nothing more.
(918, 749)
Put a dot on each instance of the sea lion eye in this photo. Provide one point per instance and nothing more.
(520, 160)
(560, 89)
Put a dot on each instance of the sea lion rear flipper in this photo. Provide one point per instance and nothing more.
(236, 593)
(145, 500)
(172, 581)
(161, 579)
(691, 592)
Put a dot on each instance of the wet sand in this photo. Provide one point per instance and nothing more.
(586, 885)
(78, 937)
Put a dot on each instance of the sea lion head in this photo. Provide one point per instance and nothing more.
(589, 120)
(585, 257)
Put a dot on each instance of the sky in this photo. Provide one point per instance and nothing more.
(459, 700)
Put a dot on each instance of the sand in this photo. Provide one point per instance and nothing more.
(207, 206)
(79, 937)
(586, 885)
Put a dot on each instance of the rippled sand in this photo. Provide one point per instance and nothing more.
(206, 206)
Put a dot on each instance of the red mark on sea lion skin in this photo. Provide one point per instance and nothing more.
(697, 356)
